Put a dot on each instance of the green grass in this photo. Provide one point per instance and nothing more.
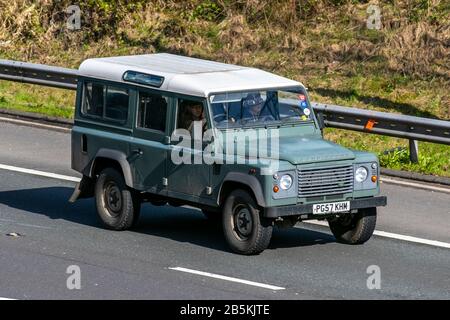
(37, 99)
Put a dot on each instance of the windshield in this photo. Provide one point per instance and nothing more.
(259, 107)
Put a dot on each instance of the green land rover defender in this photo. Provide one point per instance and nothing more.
(241, 144)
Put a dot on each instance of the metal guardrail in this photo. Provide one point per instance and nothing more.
(390, 124)
(401, 126)
(33, 73)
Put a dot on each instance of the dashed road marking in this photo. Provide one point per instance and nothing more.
(226, 278)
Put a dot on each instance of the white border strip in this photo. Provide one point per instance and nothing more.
(6, 299)
(39, 173)
(395, 236)
(217, 276)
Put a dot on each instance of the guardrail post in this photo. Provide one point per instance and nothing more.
(413, 151)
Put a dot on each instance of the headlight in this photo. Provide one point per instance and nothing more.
(285, 182)
(361, 174)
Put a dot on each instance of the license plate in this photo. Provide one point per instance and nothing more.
(323, 208)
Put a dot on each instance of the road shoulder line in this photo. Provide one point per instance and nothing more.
(396, 236)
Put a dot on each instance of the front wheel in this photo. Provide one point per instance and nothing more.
(354, 228)
(246, 231)
(117, 206)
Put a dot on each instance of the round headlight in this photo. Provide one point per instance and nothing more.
(285, 182)
(361, 174)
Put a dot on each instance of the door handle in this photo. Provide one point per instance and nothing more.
(138, 152)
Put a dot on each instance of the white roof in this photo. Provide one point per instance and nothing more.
(184, 74)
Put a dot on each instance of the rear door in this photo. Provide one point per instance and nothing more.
(148, 152)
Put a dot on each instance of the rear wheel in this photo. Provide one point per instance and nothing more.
(117, 206)
(246, 231)
(354, 228)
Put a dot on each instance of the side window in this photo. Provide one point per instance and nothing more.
(152, 111)
(116, 103)
(93, 99)
(108, 102)
(188, 112)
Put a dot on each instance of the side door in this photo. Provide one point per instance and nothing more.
(188, 175)
(148, 149)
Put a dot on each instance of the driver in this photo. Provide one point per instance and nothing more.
(253, 105)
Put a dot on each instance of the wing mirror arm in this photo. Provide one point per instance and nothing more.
(321, 121)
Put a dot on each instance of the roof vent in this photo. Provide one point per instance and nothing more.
(142, 78)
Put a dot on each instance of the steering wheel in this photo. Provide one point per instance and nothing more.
(217, 116)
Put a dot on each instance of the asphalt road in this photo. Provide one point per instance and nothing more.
(305, 261)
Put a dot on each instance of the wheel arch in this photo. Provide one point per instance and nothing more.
(238, 180)
(111, 158)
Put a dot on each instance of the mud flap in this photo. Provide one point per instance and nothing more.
(83, 189)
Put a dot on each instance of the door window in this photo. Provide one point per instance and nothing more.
(152, 111)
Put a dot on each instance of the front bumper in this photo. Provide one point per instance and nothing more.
(307, 209)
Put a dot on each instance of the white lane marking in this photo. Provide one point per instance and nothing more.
(1, 298)
(378, 233)
(414, 185)
(395, 236)
(217, 276)
(9, 221)
(35, 124)
(33, 226)
(412, 239)
(39, 173)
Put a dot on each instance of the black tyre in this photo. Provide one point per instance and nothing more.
(356, 228)
(246, 231)
(117, 206)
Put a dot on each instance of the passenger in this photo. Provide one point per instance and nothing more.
(191, 111)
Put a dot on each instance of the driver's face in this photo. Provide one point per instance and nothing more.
(256, 109)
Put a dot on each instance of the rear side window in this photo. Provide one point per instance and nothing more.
(152, 111)
(116, 103)
(93, 99)
(104, 101)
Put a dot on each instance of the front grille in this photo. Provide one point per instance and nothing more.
(325, 181)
